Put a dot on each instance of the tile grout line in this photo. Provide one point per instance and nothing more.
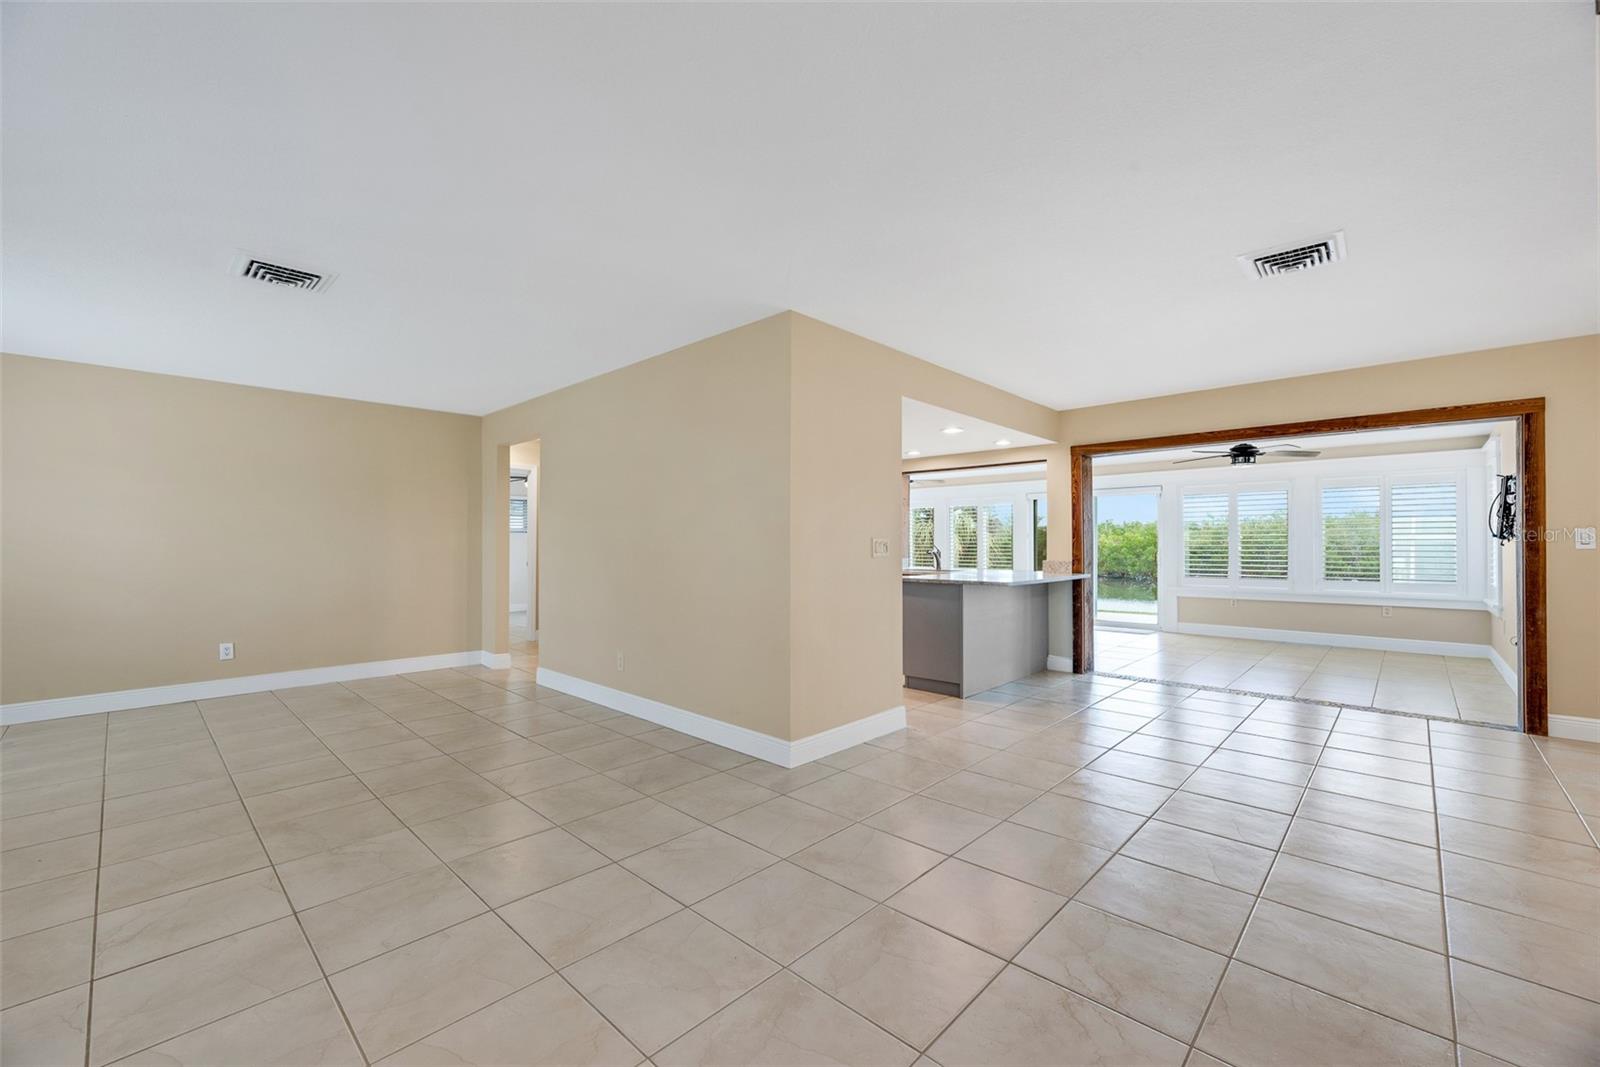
(94, 928)
(1444, 911)
(1074, 895)
(289, 901)
(1238, 940)
(554, 971)
(946, 855)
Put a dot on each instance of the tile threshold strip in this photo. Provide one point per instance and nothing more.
(1508, 727)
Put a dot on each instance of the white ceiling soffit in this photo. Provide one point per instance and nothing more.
(924, 431)
(1406, 436)
(1017, 471)
(1048, 197)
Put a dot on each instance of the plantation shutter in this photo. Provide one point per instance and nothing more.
(519, 514)
(997, 528)
(1205, 535)
(1350, 534)
(964, 536)
(1264, 534)
(1422, 533)
(922, 537)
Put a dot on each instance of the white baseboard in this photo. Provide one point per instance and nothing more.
(122, 700)
(515, 608)
(1507, 672)
(739, 738)
(1058, 663)
(499, 661)
(1575, 728)
(1310, 637)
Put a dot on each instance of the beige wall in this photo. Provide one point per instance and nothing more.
(148, 518)
(1566, 373)
(1410, 624)
(845, 605)
(663, 526)
(710, 513)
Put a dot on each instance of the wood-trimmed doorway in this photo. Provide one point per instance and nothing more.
(1532, 674)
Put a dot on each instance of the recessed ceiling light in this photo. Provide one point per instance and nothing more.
(952, 429)
(912, 452)
(1002, 443)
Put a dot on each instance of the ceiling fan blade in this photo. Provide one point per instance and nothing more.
(1200, 459)
(1293, 452)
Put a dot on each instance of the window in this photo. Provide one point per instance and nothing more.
(519, 514)
(964, 537)
(1351, 526)
(1205, 535)
(1264, 534)
(1040, 520)
(997, 536)
(922, 537)
(1423, 533)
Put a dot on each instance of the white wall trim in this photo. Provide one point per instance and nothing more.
(1311, 637)
(1507, 672)
(739, 738)
(1575, 728)
(517, 607)
(1058, 663)
(499, 661)
(122, 700)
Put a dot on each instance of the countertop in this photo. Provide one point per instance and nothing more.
(989, 577)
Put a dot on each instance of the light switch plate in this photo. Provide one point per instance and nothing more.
(880, 547)
(1584, 536)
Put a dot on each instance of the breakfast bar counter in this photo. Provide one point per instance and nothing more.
(965, 631)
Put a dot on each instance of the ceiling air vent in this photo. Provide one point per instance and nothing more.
(1287, 259)
(261, 270)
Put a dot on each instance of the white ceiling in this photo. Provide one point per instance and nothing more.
(922, 431)
(1045, 197)
(1373, 439)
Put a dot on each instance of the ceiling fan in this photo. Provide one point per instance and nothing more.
(1247, 453)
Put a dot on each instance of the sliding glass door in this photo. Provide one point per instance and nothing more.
(1125, 554)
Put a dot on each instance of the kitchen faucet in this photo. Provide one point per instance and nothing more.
(938, 559)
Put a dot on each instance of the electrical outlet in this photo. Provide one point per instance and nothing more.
(1584, 537)
(619, 661)
(1233, 603)
(880, 547)
(225, 650)
(1388, 612)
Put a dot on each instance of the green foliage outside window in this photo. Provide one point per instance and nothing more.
(1128, 550)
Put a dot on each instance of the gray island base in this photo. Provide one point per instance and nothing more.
(968, 631)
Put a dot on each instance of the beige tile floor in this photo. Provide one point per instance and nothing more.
(462, 867)
(1450, 687)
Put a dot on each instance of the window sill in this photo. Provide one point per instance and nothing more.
(1396, 600)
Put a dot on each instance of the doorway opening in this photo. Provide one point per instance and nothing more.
(1391, 561)
(522, 569)
(1127, 558)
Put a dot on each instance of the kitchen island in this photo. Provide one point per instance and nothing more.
(966, 631)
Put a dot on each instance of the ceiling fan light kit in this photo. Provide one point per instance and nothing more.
(1244, 453)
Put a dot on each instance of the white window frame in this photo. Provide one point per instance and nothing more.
(1304, 480)
(1349, 587)
(1427, 590)
(1029, 502)
(1235, 572)
(942, 498)
(1185, 579)
(1493, 573)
